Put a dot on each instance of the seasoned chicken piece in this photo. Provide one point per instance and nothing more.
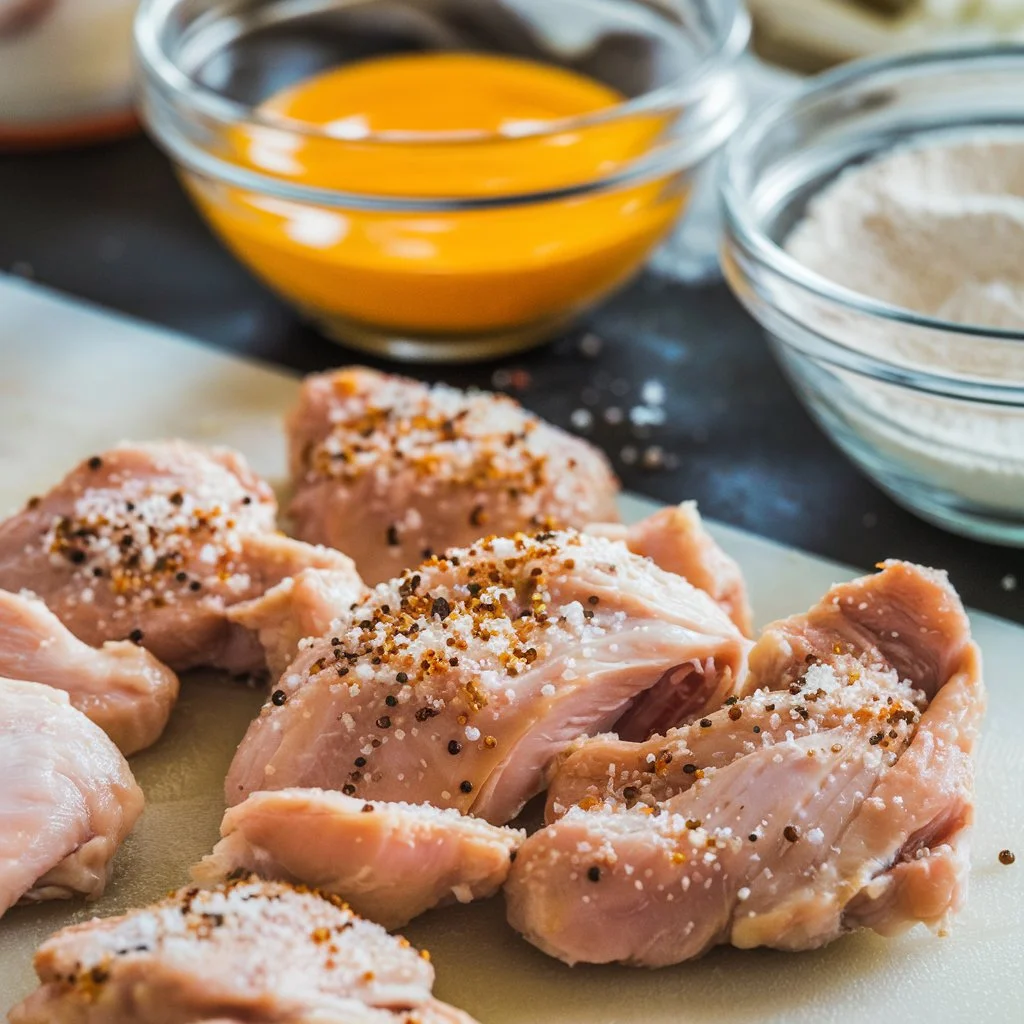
(458, 683)
(252, 951)
(389, 861)
(854, 621)
(152, 543)
(676, 540)
(392, 470)
(788, 817)
(120, 686)
(67, 801)
(299, 607)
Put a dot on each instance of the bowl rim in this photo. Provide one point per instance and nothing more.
(158, 66)
(741, 223)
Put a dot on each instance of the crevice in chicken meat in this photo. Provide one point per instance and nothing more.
(836, 795)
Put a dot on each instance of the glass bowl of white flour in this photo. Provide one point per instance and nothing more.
(875, 228)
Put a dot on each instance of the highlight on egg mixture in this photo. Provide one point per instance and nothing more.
(469, 127)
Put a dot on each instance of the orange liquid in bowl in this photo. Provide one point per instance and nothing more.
(445, 274)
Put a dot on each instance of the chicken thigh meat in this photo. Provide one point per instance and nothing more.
(389, 861)
(67, 802)
(119, 686)
(391, 470)
(458, 683)
(262, 952)
(838, 794)
(152, 543)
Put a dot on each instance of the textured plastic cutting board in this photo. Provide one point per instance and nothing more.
(74, 381)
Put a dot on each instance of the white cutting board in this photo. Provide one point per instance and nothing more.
(74, 381)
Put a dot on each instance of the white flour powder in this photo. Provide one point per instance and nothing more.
(937, 229)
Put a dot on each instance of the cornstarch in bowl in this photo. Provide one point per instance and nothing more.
(935, 230)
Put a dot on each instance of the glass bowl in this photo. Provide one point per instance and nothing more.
(932, 411)
(353, 228)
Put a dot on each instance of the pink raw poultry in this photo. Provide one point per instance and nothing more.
(458, 683)
(837, 796)
(67, 802)
(152, 543)
(389, 861)
(119, 686)
(259, 952)
(391, 470)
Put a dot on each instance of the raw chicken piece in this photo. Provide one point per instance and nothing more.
(252, 951)
(432, 1012)
(393, 470)
(389, 861)
(67, 801)
(676, 540)
(457, 684)
(120, 686)
(152, 543)
(788, 817)
(299, 607)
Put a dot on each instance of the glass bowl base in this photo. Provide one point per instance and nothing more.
(410, 348)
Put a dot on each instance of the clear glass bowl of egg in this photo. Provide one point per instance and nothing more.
(930, 405)
(441, 179)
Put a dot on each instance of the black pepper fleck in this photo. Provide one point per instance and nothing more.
(278, 697)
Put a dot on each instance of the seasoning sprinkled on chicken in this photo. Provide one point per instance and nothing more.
(392, 470)
(457, 683)
(837, 795)
(677, 540)
(260, 952)
(151, 543)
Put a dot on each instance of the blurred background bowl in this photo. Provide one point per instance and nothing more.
(933, 411)
(543, 251)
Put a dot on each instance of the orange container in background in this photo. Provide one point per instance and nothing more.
(447, 127)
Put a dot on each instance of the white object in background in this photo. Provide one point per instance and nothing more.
(65, 67)
(60, 364)
(822, 32)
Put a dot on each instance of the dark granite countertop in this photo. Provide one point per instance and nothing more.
(112, 225)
